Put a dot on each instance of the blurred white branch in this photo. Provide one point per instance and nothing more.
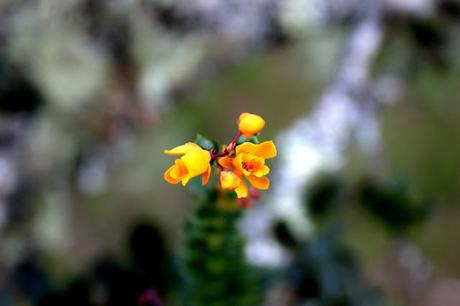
(316, 143)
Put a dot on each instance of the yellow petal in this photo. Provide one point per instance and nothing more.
(258, 173)
(206, 175)
(259, 182)
(266, 149)
(185, 180)
(226, 162)
(229, 180)
(196, 161)
(260, 168)
(181, 150)
(265, 170)
(242, 190)
(250, 124)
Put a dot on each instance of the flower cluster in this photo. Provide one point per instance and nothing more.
(242, 160)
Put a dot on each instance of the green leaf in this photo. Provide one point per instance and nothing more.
(244, 139)
(206, 143)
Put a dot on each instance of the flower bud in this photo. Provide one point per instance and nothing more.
(250, 124)
(230, 181)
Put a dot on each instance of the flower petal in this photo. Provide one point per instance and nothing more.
(262, 183)
(181, 150)
(226, 162)
(168, 178)
(242, 190)
(261, 171)
(265, 170)
(266, 149)
(179, 170)
(196, 161)
(238, 164)
(185, 180)
(206, 175)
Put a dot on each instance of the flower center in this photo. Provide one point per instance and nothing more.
(251, 166)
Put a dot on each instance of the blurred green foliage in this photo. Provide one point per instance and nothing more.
(216, 272)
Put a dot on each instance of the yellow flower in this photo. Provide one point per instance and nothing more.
(230, 181)
(194, 161)
(249, 161)
(250, 124)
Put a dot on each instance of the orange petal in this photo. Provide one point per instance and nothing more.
(205, 176)
(266, 149)
(226, 162)
(168, 178)
(181, 150)
(242, 190)
(238, 164)
(259, 182)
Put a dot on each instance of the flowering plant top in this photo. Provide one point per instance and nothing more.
(240, 161)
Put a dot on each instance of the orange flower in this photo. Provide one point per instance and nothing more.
(194, 161)
(230, 181)
(250, 124)
(249, 161)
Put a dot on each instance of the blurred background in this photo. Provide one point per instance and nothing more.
(360, 96)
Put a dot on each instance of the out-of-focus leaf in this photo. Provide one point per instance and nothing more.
(284, 236)
(394, 206)
(243, 139)
(324, 195)
(206, 143)
(325, 273)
